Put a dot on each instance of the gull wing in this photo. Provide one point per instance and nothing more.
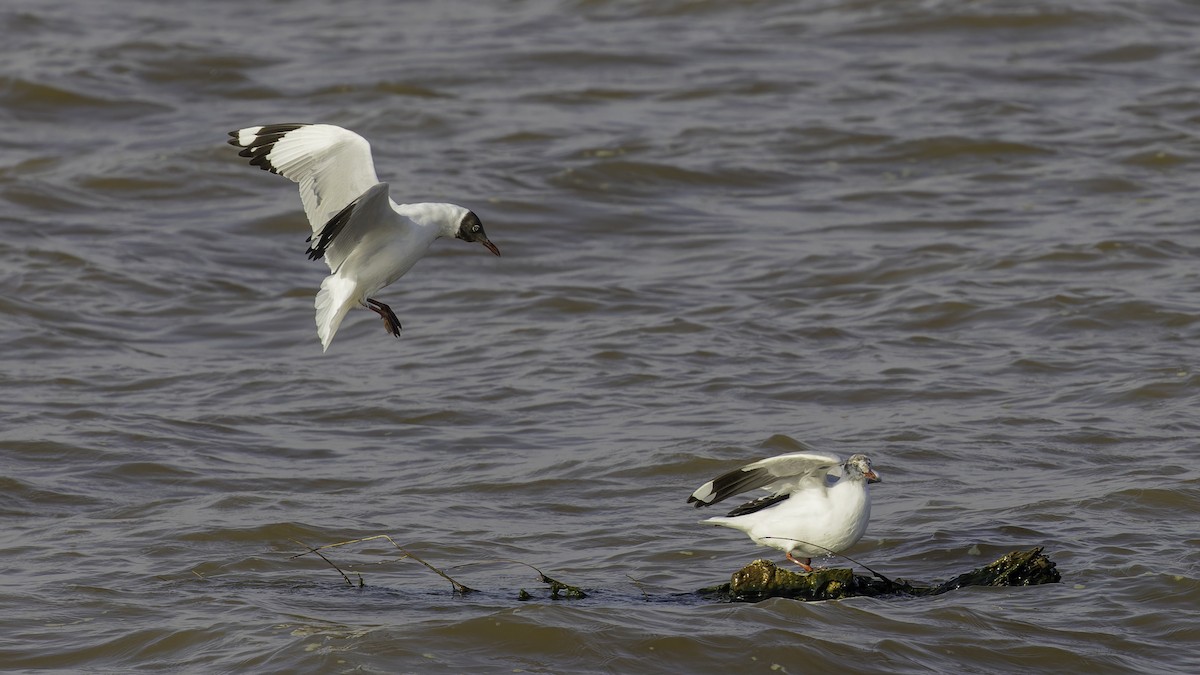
(780, 475)
(332, 165)
(334, 242)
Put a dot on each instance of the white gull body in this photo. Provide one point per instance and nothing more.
(367, 239)
(817, 504)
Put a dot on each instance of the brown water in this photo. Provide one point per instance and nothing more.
(959, 236)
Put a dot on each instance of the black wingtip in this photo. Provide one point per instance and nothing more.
(332, 228)
(757, 505)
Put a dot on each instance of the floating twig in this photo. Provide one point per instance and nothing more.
(842, 555)
(458, 587)
(322, 556)
(570, 592)
(638, 584)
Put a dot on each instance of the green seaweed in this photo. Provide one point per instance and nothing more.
(568, 591)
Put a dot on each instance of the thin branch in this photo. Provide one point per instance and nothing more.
(322, 556)
(840, 555)
(638, 584)
(458, 587)
(571, 592)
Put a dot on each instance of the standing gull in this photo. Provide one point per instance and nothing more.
(368, 240)
(817, 505)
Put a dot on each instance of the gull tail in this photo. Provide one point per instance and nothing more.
(727, 522)
(333, 301)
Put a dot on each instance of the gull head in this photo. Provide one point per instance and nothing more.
(859, 466)
(470, 229)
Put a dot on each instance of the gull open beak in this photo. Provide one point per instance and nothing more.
(872, 477)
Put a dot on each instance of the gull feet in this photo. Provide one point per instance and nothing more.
(806, 564)
(390, 322)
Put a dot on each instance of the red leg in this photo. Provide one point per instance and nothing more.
(390, 322)
(807, 564)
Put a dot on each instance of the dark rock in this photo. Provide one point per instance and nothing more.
(762, 579)
(1019, 568)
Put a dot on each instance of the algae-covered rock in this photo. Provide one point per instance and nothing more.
(763, 579)
(1019, 568)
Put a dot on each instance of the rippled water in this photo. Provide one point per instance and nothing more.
(961, 237)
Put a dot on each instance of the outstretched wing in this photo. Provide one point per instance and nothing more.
(351, 225)
(781, 475)
(332, 165)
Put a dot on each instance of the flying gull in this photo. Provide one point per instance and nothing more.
(368, 240)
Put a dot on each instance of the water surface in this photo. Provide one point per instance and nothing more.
(958, 237)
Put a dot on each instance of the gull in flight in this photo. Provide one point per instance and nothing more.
(817, 504)
(368, 240)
